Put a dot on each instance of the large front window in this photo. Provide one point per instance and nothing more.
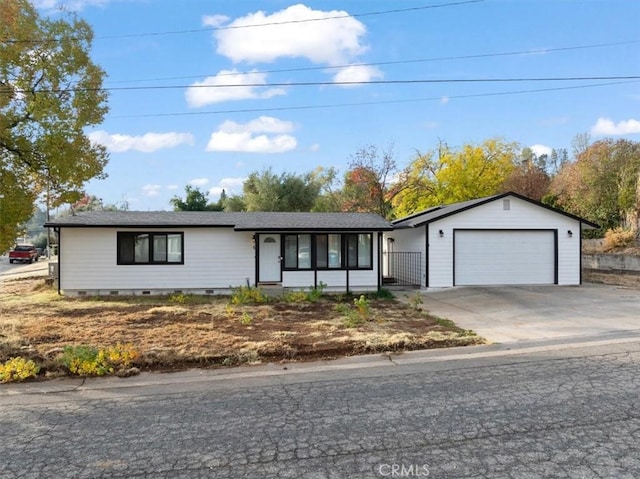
(150, 248)
(328, 251)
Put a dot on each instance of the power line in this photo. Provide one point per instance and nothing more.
(368, 103)
(396, 62)
(327, 83)
(257, 25)
(289, 22)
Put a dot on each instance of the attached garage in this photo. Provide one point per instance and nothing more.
(505, 239)
(492, 257)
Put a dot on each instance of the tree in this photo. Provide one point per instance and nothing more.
(267, 191)
(452, 176)
(50, 91)
(195, 200)
(369, 183)
(602, 183)
(529, 178)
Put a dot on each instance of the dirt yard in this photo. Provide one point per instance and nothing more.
(189, 331)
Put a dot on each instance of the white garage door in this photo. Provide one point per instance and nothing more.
(504, 257)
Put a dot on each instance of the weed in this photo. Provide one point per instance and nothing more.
(240, 358)
(415, 300)
(295, 296)
(384, 293)
(89, 361)
(315, 294)
(342, 308)
(18, 369)
(230, 310)
(246, 319)
(363, 306)
(248, 295)
(352, 318)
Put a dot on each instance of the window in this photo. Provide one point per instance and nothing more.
(359, 251)
(150, 248)
(297, 251)
(328, 251)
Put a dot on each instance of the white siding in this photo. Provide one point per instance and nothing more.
(214, 258)
(521, 215)
(359, 280)
(297, 279)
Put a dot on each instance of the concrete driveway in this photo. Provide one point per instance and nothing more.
(532, 313)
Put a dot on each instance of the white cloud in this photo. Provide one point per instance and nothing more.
(333, 42)
(246, 142)
(606, 126)
(232, 182)
(199, 181)
(430, 124)
(231, 186)
(172, 187)
(212, 89)
(540, 150)
(214, 20)
(232, 136)
(315, 147)
(147, 143)
(444, 100)
(357, 73)
(151, 190)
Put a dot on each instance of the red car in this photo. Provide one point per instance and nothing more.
(24, 253)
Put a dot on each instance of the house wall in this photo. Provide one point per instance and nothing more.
(336, 280)
(521, 215)
(214, 258)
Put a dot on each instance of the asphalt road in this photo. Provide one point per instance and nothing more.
(544, 412)
(10, 271)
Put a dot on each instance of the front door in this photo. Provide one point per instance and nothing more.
(269, 266)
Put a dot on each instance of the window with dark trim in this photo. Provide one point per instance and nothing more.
(150, 248)
(328, 251)
(359, 251)
(297, 251)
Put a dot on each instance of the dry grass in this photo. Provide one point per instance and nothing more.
(35, 322)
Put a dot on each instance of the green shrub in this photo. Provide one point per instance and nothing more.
(316, 293)
(295, 296)
(90, 361)
(357, 314)
(18, 369)
(248, 295)
(179, 298)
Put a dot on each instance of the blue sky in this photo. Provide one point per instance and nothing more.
(169, 127)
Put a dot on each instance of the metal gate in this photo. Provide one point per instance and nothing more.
(403, 268)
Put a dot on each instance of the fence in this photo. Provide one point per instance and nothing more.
(403, 268)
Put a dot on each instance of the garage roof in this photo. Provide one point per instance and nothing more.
(438, 212)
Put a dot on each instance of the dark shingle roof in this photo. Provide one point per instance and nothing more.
(439, 212)
(242, 221)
